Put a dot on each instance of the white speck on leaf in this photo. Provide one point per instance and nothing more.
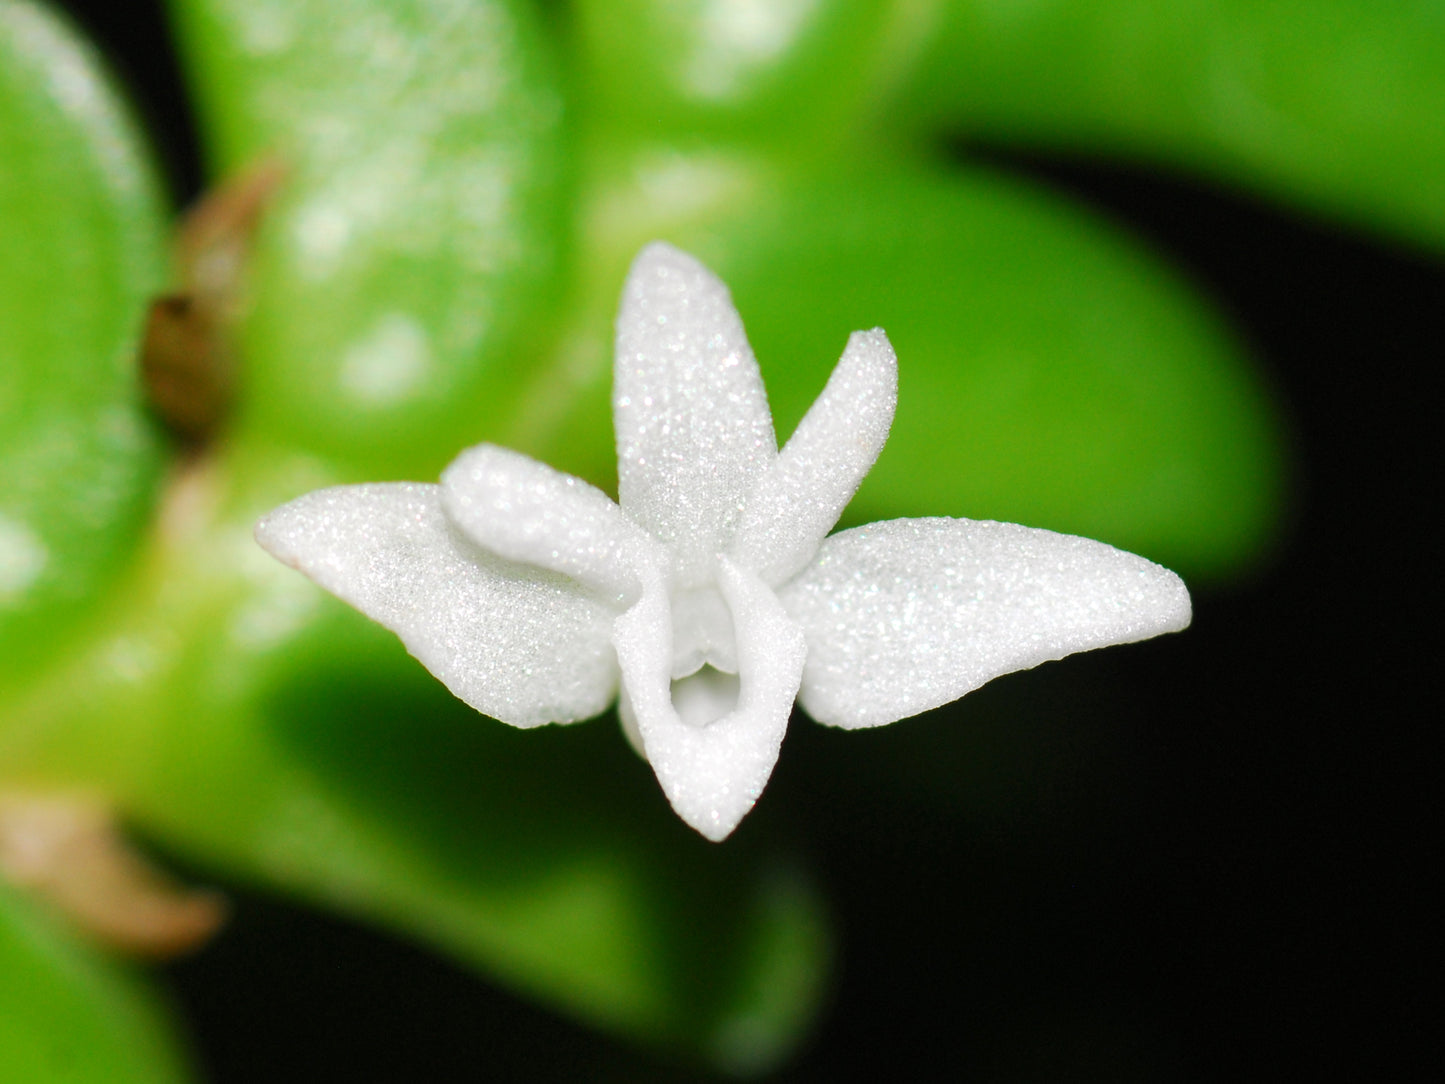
(390, 363)
(23, 557)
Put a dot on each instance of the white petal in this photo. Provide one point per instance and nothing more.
(795, 504)
(523, 645)
(526, 511)
(693, 428)
(909, 614)
(713, 773)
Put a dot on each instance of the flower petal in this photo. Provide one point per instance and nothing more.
(525, 511)
(693, 427)
(795, 504)
(905, 615)
(522, 645)
(712, 772)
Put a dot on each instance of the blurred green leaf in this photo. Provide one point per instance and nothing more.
(1336, 105)
(412, 261)
(793, 75)
(247, 719)
(81, 248)
(1050, 372)
(67, 1016)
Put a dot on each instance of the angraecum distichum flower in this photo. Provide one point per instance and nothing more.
(710, 596)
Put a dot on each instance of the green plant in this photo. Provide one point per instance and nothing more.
(463, 185)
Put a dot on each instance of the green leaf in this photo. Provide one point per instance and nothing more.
(68, 1016)
(794, 76)
(408, 268)
(1336, 106)
(81, 248)
(248, 720)
(1050, 371)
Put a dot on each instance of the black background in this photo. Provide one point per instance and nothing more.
(1197, 858)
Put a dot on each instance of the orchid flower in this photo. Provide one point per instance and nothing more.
(712, 588)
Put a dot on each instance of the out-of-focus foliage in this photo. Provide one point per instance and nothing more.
(413, 255)
(464, 183)
(81, 248)
(791, 78)
(1335, 106)
(1054, 376)
(70, 1016)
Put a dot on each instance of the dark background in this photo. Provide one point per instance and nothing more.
(1196, 858)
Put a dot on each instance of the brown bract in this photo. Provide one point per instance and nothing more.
(68, 850)
(186, 358)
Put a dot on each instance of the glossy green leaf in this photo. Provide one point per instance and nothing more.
(68, 1016)
(81, 248)
(249, 720)
(1337, 105)
(409, 267)
(1050, 371)
(794, 75)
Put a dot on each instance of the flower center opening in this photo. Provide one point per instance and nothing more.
(706, 696)
(702, 632)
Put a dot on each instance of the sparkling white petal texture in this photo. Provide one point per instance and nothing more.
(713, 590)
(692, 419)
(909, 614)
(518, 643)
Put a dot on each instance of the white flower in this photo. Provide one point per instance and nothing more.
(712, 591)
